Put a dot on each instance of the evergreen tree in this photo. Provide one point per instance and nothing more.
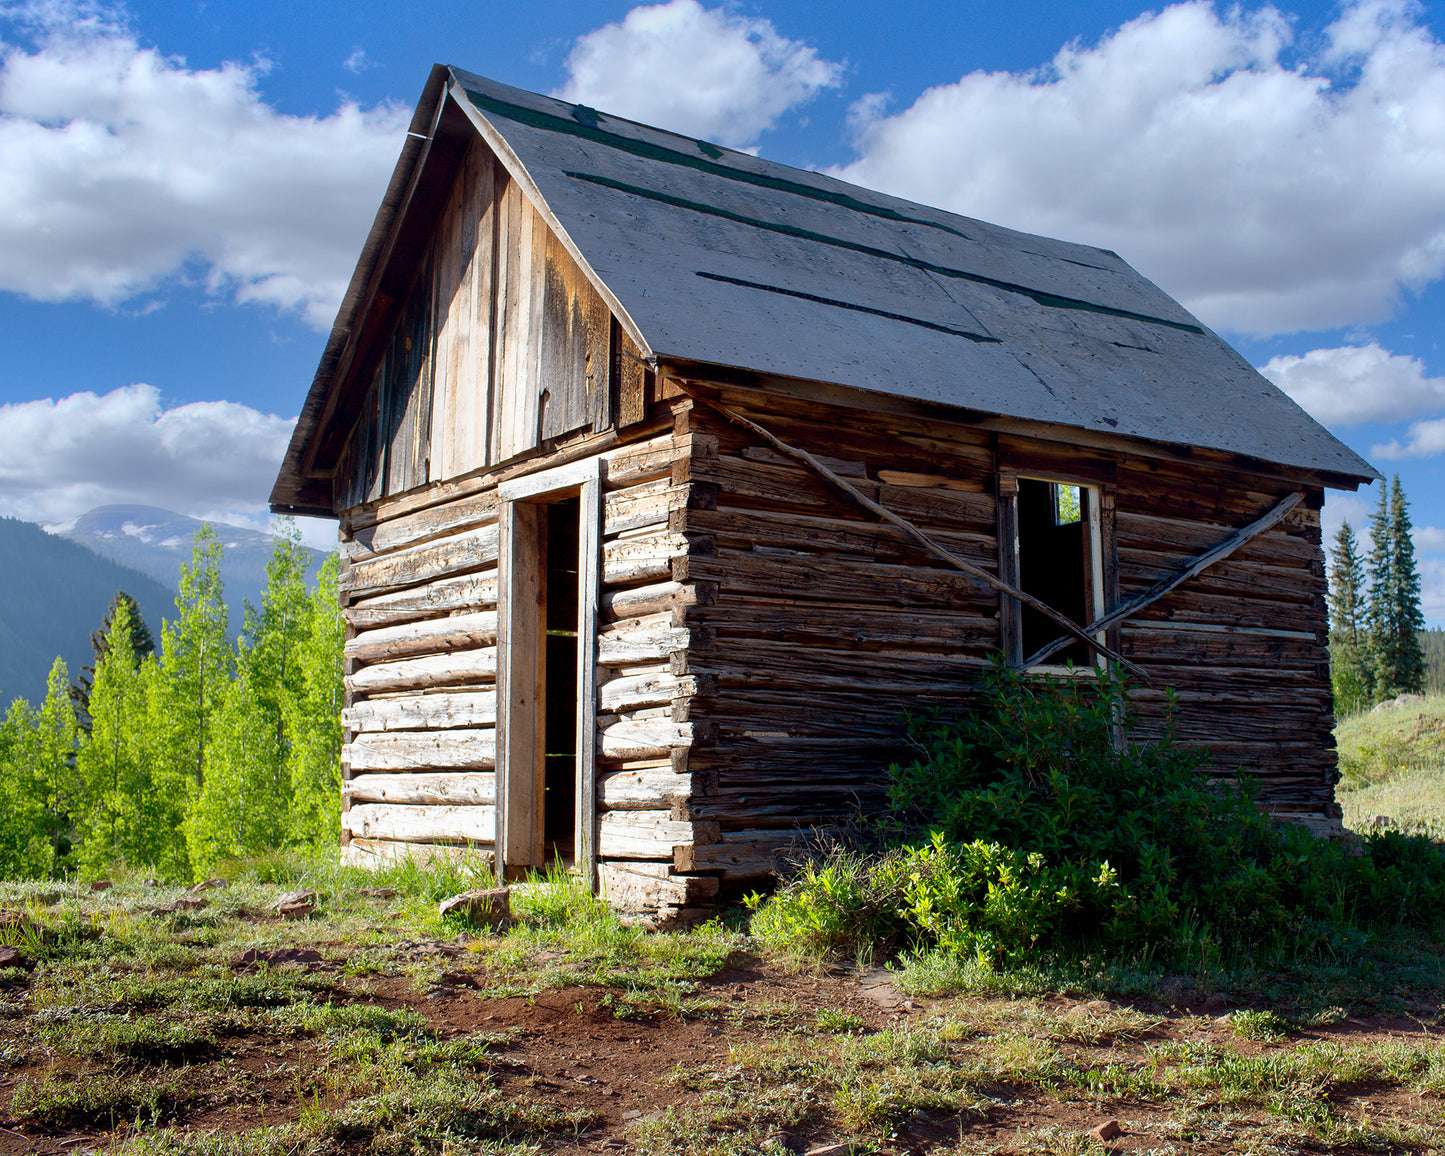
(1406, 617)
(142, 643)
(1350, 673)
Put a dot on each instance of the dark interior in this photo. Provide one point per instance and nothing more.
(1053, 565)
(559, 819)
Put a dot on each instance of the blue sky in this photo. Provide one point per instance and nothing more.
(184, 188)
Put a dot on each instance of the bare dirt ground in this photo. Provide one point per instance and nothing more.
(231, 1031)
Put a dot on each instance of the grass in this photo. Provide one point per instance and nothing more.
(139, 1032)
(1393, 764)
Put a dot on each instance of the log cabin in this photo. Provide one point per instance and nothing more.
(668, 478)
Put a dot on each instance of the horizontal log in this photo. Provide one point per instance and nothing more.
(1179, 644)
(741, 573)
(917, 481)
(464, 513)
(647, 461)
(463, 592)
(628, 692)
(462, 668)
(377, 853)
(438, 711)
(1161, 533)
(642, 738)
(420, 824)
(646, 505)
(634, 887)
(470, 550)
(406, 750)
(653, 789)
(454, 790)
(850, 625)
(644, 834)
(650, 639)
(739, 528)
(641, 559)
(742, 855)
(634, 601)
(432, 636)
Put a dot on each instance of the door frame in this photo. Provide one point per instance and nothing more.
(521, 666)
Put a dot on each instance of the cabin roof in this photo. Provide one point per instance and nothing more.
(718, 257)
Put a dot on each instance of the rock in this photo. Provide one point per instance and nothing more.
(12, 957)
(15, 921)
(153, 882)
(101, 885)
(279, 955)
(377, 892)
(295, 904)
(846, 1148)
(1108, 1130)
(632, 1114)
(1174, 988)
(491, 906)
(184, 903)
(207, 885)
(1216, 1003)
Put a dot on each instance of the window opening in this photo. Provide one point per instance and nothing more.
(1059, 562)
(562, 547)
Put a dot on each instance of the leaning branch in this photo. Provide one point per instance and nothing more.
(914, 532)
(1215, 554)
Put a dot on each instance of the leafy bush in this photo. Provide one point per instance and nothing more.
(1036, 823)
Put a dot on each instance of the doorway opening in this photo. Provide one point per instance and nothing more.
(561, 551)
(1060, 562)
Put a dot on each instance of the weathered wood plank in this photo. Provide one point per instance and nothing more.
(650, 639)
(464, 592)
(432, 636)
(650, 789)
(377, 853)
(630, 738)
(641, 559)
(450, 790)
(411, 750)
(470, 550)
(438, 711)
(642, 835)
(420, 824)
(655, 688)
(460, 668)
(636, 887)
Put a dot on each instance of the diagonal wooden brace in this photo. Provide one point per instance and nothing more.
(1215, 554)
(1074, 629)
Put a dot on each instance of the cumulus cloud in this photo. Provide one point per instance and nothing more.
(213, 459)
(702, 71)
(125, 168)
(1270, 194)
(1357, 383)
(1424, 439)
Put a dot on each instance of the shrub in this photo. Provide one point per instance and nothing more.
(1039, 823)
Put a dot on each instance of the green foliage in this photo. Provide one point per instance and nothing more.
(1036, 824)
(194, 753)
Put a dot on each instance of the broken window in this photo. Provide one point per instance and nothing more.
(1059, 560)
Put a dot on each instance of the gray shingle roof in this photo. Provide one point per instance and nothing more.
(722, 257)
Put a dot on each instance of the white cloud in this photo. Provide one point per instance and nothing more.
(706, 72)
(212, 459)
(1357, 383)
(124, 168)
(1424, 439)
(1270, 197)
(358, 62)
(1428, 538)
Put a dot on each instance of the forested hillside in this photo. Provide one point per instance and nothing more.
(53, 593)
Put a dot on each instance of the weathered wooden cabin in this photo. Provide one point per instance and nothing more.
(668, 477)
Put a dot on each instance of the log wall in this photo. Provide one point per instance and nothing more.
(822, 626)
(420, 595)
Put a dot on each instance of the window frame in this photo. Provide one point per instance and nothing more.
(1010, 570)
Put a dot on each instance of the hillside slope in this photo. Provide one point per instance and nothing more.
(53, 593)
(157, 542)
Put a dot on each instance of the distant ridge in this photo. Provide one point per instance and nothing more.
(156, 542)
(53, 593)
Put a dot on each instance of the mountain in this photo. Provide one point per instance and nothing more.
(157, 542)
(53, 593)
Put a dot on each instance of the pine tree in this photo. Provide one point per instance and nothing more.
(1406, 617)
(1350, 674)
(1397, 663)
(142, 643)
